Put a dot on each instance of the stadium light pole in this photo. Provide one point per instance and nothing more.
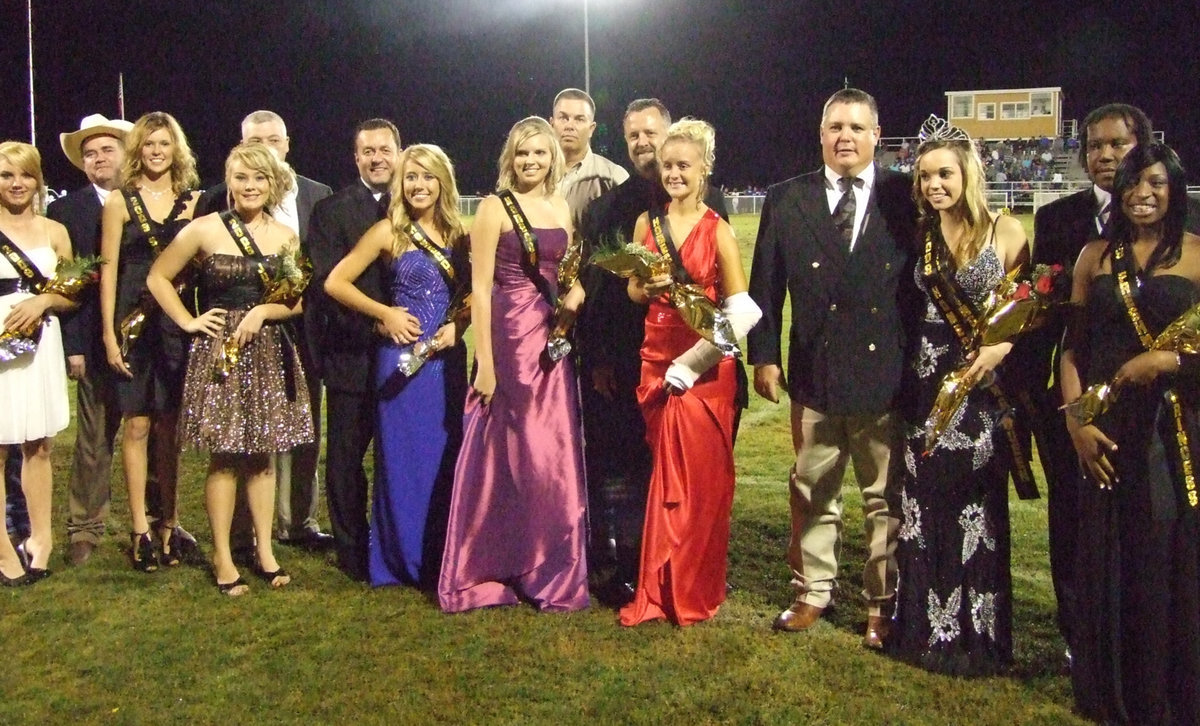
(587, 55)
(32, 112)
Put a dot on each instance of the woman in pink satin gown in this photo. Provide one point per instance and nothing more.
(517, 515)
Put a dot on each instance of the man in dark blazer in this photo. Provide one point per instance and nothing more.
(840, 241)
(97, 149)
(344, 341)
(609, 336)
(1060, 231)
(296, 470)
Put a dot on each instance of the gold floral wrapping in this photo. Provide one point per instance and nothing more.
(290, 279)
(557, 345)
(1013, 308)
(131, 326)
(285, 287)
(1181, 336)
(700, 313)
(71, 277)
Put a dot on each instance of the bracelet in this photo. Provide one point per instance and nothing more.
(1178, 362)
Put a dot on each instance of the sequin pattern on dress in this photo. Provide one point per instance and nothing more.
(263, 405)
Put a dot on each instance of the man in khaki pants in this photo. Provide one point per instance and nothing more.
(839, 240)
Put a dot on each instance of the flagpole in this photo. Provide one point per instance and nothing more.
(121, 95)
(32, 112)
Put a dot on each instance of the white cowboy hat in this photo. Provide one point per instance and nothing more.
(94, 125)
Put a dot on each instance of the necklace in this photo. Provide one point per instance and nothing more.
(153, 194)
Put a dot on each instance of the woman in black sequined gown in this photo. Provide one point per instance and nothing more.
(954, 599)
(139, 220)
(258, 404)
(1136, 652)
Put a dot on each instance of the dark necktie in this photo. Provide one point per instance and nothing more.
(843, 212)
(385, 201)
(1102, 217)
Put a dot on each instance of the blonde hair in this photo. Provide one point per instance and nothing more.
(29, 160)
(972, 206)
(700, 134)
(446, 217)
(257, 156)
(183, 163)
(522, 131)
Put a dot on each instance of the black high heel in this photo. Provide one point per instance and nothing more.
(19, 581)
(171, 555)
(277, 579)
(32, 574)
(141, 552)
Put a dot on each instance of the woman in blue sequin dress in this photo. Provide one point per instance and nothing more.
(954, 601)
(420, 413)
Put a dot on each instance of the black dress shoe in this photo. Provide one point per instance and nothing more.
(313, 541)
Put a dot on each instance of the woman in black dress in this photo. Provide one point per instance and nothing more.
(156, 200)
(1137, 645)
(954, 600)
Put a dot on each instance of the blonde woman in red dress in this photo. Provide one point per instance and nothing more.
(687, 394)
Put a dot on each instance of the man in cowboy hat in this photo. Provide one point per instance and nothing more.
(98, 150)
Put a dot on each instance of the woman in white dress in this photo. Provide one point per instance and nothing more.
(33, 385)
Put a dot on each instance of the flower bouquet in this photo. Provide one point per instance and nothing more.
(71, 277)
(1016, 305)
(286, 286)
(557, 345)
(132, 325)
(701, 314)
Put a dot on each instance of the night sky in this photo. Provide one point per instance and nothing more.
(460, 72)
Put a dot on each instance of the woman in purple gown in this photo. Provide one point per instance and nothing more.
(517, 515)
(420, 413)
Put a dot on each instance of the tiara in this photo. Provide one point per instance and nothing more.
(939, 129)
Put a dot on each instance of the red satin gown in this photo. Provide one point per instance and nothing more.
(686, 534)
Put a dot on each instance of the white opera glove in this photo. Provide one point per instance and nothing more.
(742, 313)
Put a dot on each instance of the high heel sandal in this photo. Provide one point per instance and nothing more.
(237, 588)
(32, 574)
(141, 552)
(171, 554)
(276, 579)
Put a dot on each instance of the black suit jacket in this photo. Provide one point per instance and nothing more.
(611, 326)
(342, 341)
(851, 312)
(308, 193)
(79, 212)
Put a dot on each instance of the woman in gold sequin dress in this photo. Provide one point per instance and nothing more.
(257, 403)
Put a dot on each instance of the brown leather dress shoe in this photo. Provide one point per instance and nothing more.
(878, 628)
(80, 551)
(800, 616)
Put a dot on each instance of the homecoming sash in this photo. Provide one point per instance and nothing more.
(134, 323)
(230, 352)
(529, 241)
(960, 314)
(661, 231)
(412, 357)
(14, 343)
(1122, 267)
(460, 292)
(31, 276)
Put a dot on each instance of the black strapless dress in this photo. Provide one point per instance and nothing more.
(1137, 626)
